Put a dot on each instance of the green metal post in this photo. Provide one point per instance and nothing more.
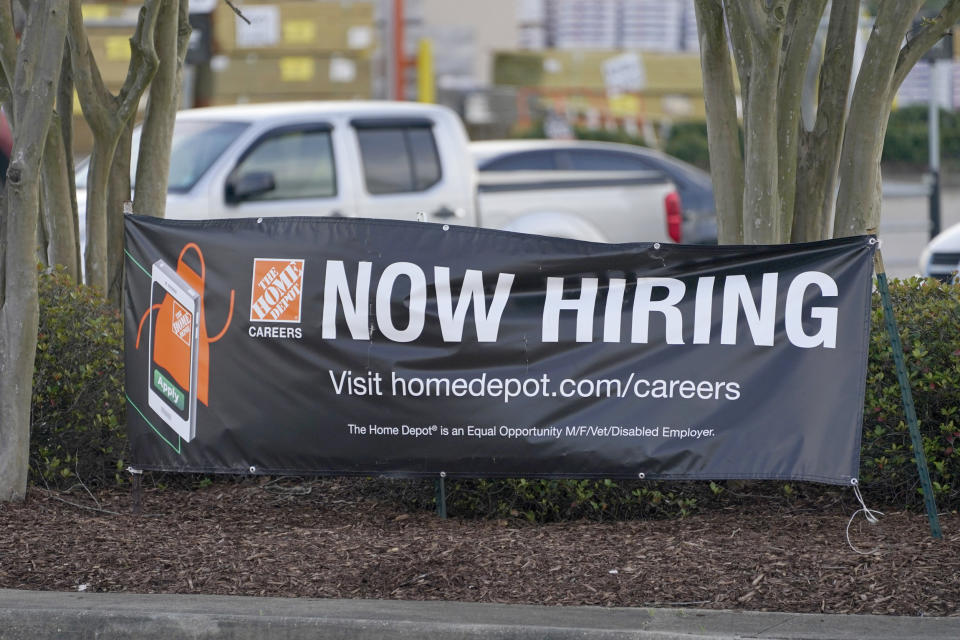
(441, 493)
(908, 408)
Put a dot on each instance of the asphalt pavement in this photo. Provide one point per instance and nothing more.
(905, 221)
(39, 615)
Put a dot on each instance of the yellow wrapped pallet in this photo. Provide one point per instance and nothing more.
(107, 13)
(328, 74)
(297, 26)
(584, 69)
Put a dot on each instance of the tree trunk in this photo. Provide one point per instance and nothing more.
(153, 168)
(820, 148)
(57, 210)
(34, 92)
(803, 20)
(723, 140)
(69, 216)
(858, 203)
(811, 168)
(98, 175)
(108, 116)
(761, 195)
(118, 193)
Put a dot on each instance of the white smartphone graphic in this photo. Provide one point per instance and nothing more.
(174, 336)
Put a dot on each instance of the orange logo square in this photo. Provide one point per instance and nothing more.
(277, 290)
(182, 322)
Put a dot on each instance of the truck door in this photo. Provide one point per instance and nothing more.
(408, 168)
(287, 171)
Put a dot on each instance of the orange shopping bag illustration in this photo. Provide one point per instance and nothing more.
(171, 339)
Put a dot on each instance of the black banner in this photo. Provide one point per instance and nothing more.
(319, 345)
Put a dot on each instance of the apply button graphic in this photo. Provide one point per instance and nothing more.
(168, 389)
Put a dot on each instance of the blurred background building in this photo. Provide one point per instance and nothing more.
(627, 67)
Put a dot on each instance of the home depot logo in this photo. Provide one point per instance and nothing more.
(182, 322)
(277, 290)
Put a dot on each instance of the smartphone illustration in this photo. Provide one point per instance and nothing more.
(174, 335)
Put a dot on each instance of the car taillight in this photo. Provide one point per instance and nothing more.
(674, 211)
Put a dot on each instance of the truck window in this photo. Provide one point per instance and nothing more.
(196, 145)
(398, 159)
(596, 160)
(523, 161)
(300, 161)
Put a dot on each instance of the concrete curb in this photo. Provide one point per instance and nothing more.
(39, 615)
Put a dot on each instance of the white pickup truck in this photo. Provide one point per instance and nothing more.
(399, 160)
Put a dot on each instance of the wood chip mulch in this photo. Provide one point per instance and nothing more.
(321, 540)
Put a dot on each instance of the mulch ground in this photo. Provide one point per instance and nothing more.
(325, 540)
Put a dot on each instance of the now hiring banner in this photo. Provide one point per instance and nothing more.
(337, 346)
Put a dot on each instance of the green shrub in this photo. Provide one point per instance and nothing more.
(688, 141)
(78, 411)
(537, 131)
(928, 317)
(906, 140)
(551, 500)
(77, 419)
(604, 135)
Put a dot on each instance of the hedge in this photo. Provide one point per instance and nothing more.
(78, 415)
(77, 419)
(905, 142)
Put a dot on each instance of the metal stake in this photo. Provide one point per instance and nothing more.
(441, 495)
(908, 408)
(137, 490)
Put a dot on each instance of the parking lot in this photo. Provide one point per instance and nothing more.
(904, 227)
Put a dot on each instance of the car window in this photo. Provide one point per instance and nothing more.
(426, 164)
(300, 162)
(195, 146)
(523, 161)
(398, 159)
(596, 160)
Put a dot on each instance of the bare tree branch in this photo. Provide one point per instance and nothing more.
(143, 60)
(237, 11)
(91, 91)
(928, 36)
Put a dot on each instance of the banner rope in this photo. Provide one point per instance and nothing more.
(868, 513)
